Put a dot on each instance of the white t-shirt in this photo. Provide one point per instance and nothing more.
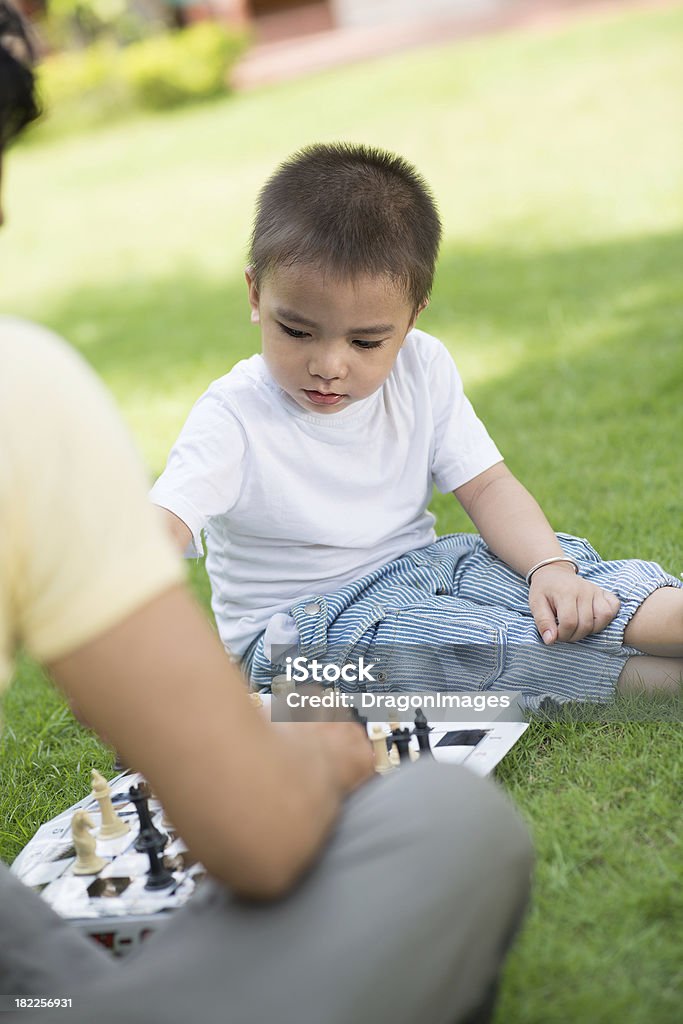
(295, 504)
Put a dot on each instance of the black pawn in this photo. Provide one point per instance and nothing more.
(158, 877)
(421, 731)
(149, 837)
(357, 717)
(401, 738)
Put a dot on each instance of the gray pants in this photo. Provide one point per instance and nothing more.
(406, 917)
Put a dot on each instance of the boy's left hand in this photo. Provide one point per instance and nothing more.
(566, 607)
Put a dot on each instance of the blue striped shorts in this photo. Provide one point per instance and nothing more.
(453, 616)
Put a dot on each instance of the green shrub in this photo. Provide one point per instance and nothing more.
(166, 71)
(90, 86)
(72, 77)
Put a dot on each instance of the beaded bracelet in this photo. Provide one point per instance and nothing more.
(549, 561)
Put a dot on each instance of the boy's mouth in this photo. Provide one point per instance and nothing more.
(323, 397)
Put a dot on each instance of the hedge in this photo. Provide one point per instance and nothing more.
(87, 87)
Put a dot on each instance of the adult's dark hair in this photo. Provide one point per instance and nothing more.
(18, 103)
(348, 210)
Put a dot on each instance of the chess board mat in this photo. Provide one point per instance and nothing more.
(477, 746)
(114, 907)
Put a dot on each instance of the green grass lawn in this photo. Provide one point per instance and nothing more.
(557, 159)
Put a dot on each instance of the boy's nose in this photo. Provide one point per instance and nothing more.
(327, 366)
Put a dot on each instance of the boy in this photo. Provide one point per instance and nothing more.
(311, 466)
(94, 592)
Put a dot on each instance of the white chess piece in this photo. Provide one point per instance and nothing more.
(379, 743)
(87, 861)
(112, 825)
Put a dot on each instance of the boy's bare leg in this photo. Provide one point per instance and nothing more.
(646, 674)
(656, 629)
(657, 626)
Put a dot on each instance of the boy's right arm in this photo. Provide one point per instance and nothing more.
(179, 531)
(204, 472)
(253, 802)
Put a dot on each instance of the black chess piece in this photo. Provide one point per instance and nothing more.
(158, 877)
(401, 738)
(357, 717)
(421, 731)
(150, 837)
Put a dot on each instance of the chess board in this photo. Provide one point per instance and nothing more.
(114, 907)
(477, 746)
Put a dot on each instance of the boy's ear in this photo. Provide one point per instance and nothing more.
(423, 305)
(253, 294)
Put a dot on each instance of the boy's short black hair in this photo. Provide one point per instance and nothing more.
(18, 103)
(350, 210)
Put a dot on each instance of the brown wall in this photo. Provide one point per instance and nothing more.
(257, 7)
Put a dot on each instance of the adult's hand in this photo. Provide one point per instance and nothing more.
(349, 751)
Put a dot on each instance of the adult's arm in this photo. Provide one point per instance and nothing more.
(253, 802)
(90, 586)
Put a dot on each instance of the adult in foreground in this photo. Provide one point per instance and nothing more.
(332, 898)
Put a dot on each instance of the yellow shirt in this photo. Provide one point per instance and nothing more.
(80, 546)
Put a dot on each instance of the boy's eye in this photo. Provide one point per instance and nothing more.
(291, 332)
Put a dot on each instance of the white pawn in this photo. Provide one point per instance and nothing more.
(394, 759)
(87, 862)
(379, 742)
(112, 825)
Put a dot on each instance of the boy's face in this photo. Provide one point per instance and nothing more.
(329, 343)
